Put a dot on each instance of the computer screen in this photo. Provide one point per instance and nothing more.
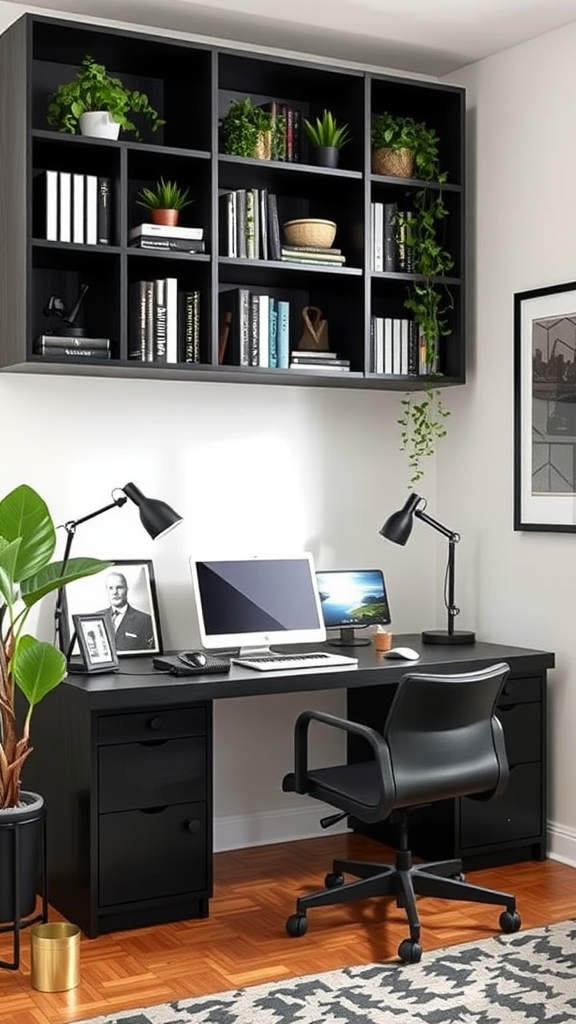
(253, 602)
(353, 598)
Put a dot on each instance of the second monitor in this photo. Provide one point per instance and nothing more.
(351, 599)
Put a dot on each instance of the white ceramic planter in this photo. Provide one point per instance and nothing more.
(99, 125)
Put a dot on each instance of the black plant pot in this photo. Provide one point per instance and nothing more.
(20, 834)
(327, 156)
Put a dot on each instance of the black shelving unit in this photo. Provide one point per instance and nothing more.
(191, 85)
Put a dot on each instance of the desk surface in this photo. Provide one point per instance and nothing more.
(138, 684)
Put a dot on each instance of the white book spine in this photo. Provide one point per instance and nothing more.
(65, 220)
(171, 319)
(78, 207)
(264, 331)
(52, 215)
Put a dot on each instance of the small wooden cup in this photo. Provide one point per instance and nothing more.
(382, 641)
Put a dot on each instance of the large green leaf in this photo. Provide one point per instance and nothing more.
(37, 668)
(24, 514)
(51, 577)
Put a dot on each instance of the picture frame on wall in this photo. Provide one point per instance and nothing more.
(126, 589)
(96, 642)
(545, 409)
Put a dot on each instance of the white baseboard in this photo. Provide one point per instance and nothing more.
(236, 832)
(562, 843)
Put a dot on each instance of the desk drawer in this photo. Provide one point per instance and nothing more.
(522, 731)
(153, 724)
(152, 774)
(516, 815)
(145, 855)
(520, 689)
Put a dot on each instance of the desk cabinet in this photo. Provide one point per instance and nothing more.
(129, 798)
(484, 833)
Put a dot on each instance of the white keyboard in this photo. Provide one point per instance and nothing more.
(275, 662)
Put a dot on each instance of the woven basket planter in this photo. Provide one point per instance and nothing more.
(397, 163)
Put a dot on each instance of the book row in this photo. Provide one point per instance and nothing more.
(164, 322)
(283, 141)
(398, 347)
(73, 207)
(391, 251)
(254, 329)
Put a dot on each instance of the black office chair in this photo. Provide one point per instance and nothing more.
(441, 740)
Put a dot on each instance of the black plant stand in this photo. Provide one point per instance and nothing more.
(19, 923)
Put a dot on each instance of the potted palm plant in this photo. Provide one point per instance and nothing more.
(164, 200)
(328, 137)
(98, 104)
(29, 668)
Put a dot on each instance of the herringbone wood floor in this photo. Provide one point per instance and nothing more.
(243, 942)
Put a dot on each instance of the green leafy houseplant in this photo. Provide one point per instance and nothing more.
(166, 195)
(423, 418)
(325, 131)
(94, 89)
(244, 127)
(27, 574)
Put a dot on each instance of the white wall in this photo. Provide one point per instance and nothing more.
(251, 468)
(522, 225)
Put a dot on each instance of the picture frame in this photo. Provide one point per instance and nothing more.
(545, 409)
(138, 631)
(97, 643)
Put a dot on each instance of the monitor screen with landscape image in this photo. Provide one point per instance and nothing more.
(352, 599)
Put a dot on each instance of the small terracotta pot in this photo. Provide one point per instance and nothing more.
(168, 217)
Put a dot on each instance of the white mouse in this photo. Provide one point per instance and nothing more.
(402, 652)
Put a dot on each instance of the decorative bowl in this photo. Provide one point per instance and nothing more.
(310, 231)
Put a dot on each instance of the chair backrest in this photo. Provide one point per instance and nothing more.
(444, 738)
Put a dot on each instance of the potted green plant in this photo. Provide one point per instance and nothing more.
(165, 201)
(402, 146)
(252, 131)
(28, 667)
(328, 137)
(98, 104)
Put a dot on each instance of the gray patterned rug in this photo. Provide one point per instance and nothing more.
(525, 978)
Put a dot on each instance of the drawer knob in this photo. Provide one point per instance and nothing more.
(155, 724)
(193, 826)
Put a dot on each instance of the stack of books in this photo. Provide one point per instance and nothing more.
(317, 361)
(312, 255)
(56, 345)
(163, 238)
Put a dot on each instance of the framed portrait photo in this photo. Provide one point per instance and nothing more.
(545, 409)
(126, 590)
(95, 638)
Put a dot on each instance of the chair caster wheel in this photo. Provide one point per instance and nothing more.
(410, 952)
(510, 922)
(333, 880)
(297, 925)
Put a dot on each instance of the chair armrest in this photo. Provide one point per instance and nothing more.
(375, 739)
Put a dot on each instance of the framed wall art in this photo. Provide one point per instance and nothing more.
(95, 638)
(545, 409)
(127, 590)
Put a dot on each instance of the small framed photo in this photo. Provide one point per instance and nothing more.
(95, 637)
(545, 409)
(126, 590)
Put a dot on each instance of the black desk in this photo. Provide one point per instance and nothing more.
(124, 762)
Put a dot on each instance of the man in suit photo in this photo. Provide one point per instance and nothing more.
(133, 628)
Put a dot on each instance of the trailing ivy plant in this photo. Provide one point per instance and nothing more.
(422, 421)
(244, 123)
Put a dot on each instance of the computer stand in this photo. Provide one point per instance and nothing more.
(348, 638)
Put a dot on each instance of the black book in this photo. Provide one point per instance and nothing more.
(103, 213)
(390, 238)
(275, 245)
(405, 251)
(189, 324)
(169, 244)
(57, 351)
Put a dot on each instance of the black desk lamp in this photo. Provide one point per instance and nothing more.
(398, 528)
(156, 517)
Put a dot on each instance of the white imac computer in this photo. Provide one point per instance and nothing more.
(250, 603)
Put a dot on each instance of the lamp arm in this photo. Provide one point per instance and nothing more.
(450, 534)
(61, 631)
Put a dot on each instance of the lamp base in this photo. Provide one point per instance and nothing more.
(441, 636)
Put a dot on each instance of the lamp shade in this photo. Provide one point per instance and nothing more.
(156, 516)
(398, 526)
